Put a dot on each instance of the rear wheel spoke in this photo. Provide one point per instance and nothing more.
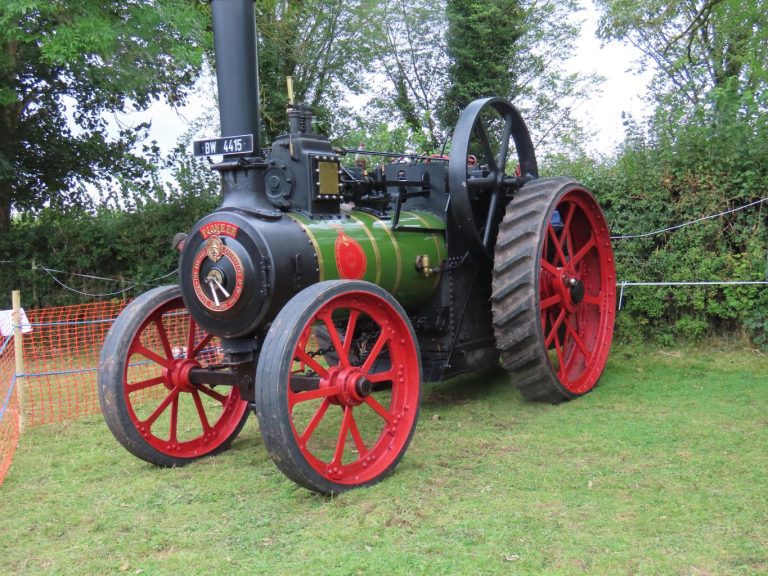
(555, 327)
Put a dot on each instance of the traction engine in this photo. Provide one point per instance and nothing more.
(321, 296)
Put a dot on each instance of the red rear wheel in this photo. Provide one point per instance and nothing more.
(554, 323)
(338, 386)
(146, 397)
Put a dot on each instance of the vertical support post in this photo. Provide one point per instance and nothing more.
(18, 349)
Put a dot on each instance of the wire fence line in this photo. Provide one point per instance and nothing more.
(623, 284)
(689, 223)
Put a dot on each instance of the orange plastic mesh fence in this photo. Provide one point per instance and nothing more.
(9, 408)
(61, 355)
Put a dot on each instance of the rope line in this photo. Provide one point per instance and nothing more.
(662, 230)
(625, 283)
(90, 277)
(51, 273)
(70, 323)
(59, 372)
(8, 397)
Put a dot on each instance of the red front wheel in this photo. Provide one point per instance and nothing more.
(145, 393)
(338, 386)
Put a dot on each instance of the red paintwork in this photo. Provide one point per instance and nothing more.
(349, 437)
(350, 257)
(578, 334)
(169, 347)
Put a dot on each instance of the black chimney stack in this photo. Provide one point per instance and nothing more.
(237, 76)
(237, 71)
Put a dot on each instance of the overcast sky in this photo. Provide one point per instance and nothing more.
(622, 91)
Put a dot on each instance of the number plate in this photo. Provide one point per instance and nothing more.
(219, 146)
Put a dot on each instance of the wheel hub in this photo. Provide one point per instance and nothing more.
(355, 387)
(177, 375)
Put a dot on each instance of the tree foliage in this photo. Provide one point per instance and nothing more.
(702, 152)
(436, 59)
(322, 44)
(64, 65)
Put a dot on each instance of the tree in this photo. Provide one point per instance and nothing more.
(321, 44)
(64, 66)
(437, 59)
(700, 49)
(408, 39)
(516, 49)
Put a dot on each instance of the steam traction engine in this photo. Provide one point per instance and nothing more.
(321, 296)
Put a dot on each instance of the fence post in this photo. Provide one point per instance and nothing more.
(18, 348)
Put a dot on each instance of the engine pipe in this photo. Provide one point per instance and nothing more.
(237, 70)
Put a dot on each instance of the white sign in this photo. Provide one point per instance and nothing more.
(6, 322)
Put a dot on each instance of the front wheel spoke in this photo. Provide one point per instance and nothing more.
(379, 409)
(191, 338)
(341, 442)
(362, 449)
(174, 419)
(201, 411)
(387, 376)
(199, 348)
(333, 333)
(131, 388)
(312, 426)
(150, 355)
(299, 397)
(213, 394)
(163, 337)
(161, 408)
(349, 335)
(302, 356)
(375, 351)
(552, 336)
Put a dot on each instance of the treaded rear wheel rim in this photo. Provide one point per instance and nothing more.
(554, 291)
(577, 328)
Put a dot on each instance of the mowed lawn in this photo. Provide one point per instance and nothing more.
(663, 469)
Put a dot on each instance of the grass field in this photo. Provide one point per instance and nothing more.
(663, 469)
